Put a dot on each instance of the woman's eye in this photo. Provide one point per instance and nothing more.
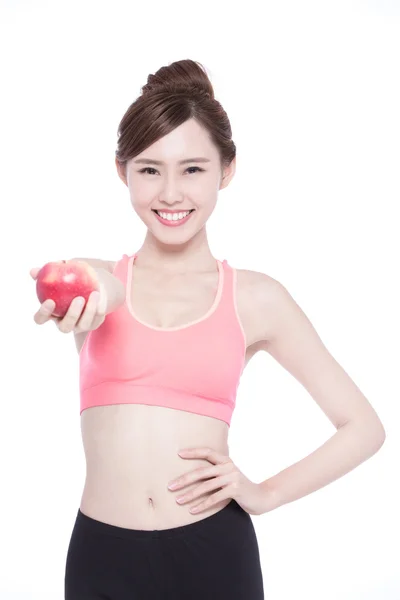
(146, 169)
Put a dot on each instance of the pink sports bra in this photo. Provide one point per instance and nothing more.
(194, 367)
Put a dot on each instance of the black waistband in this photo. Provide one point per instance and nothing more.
(218, 521)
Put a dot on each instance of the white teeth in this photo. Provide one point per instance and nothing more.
(173, 217)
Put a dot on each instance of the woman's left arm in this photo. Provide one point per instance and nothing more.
(352, 444)
(293, 341)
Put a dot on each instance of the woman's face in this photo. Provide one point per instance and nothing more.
(172, 186)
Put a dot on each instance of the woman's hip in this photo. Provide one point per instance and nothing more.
(215, 557)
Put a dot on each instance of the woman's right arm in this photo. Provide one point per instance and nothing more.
(81, 321)
(115, 292)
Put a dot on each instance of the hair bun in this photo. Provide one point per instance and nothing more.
(172, 96)
(184, 76)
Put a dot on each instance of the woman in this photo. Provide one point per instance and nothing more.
(161, 354)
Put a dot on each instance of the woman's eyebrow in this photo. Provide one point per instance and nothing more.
(150, 161)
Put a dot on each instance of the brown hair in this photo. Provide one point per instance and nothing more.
(174, 94)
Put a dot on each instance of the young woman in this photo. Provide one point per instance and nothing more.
(161, 354)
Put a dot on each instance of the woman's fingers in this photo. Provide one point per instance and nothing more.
(89, 316)
(68, 323)
(101, 307)
(34, 272)
(44, 313)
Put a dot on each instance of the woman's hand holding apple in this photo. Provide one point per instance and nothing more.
(78, 313)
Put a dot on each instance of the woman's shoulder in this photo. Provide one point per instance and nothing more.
(256, 283)
(256, 297)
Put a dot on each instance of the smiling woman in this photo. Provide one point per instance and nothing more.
(161, 373)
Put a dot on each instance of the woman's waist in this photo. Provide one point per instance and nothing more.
(135, 468)
(135, 494)
(131, 455)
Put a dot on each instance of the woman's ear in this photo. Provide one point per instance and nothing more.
(228, 173)
(121, 169)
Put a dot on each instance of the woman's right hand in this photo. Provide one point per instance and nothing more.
(79, 318)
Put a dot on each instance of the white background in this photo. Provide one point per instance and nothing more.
(312, 93)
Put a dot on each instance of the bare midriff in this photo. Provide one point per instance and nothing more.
(127, 474)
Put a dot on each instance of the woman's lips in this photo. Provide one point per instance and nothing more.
(176, 222)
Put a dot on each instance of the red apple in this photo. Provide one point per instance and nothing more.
(63, 280)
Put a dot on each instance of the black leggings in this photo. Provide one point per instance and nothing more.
(216, 558)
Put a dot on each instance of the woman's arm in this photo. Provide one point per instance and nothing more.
(115, 291)
(352, 444)
(293, 341)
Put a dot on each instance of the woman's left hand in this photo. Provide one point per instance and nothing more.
(224, 474)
